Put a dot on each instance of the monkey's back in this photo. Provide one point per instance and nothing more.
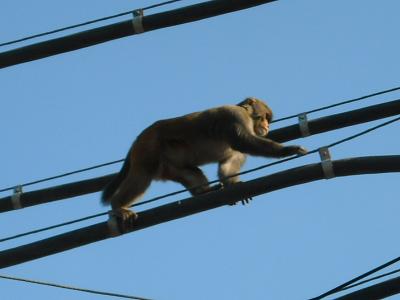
(211, 123)
(190, 140)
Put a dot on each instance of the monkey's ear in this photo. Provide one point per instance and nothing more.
(251, 100)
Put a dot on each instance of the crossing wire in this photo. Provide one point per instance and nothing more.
(370, 279)
(87, 23)
(121, 160)
(358, 278)
(210, 182)
(72, 288)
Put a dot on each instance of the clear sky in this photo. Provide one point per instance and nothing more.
(85, 107)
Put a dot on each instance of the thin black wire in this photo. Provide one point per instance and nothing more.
(86, 23)
(210, 182)
(121, 160)
(64, 175)
(358, 278)
(370, 279)
(339, 104)
(73, 288)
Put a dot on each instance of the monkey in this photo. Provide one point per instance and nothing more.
(173, 149)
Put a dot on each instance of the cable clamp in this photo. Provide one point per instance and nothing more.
(112, 223)
(137, 21)
(303, 124)
(326, 162)
(16, 197)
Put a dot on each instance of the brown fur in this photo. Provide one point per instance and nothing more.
(173, 149)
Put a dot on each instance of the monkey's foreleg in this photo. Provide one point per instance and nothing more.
(227, 170)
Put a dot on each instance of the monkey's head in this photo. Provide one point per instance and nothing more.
(260, 113)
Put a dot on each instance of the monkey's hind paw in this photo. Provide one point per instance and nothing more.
(125, 218)
(216, 187)
(243, 201)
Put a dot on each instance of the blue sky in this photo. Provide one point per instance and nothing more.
(85, 107)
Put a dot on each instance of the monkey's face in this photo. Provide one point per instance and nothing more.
(261, 125)
(260, 113)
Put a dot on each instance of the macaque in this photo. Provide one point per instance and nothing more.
(173, 149)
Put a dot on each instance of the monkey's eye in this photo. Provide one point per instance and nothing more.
(258, 118)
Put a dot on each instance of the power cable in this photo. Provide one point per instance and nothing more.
(87, 23)
(121, 160)
(73, 288)
(370, 279)
(65, 174)
(339, 104)
(356, 279)
(381, 290)
(210, 182)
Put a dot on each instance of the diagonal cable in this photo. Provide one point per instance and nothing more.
(72, 288)
(356, 279)
(370, 279)
(339, 104)
(65, 174)
(86, 23)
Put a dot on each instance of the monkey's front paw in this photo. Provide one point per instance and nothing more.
(125, 218)
(293, 150)
(301, 150)
(243, 201)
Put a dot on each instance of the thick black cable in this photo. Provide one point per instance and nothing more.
(338, 104)
(87, 23)
(210, 182)
(72, 288)
(121, 160)
(356, 279)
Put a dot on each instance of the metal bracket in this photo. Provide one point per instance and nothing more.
(303, 124)
(326, 162)
(113, 225)
(16, 197)
(137, 21)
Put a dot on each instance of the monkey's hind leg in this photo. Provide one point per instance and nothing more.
(191, 178)
(131, 189)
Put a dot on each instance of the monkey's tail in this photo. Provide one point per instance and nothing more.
(113, 186)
